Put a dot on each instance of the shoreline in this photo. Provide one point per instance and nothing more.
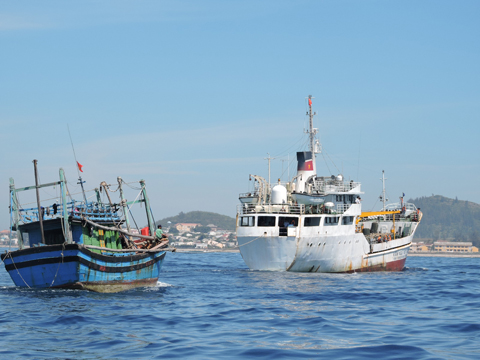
(439, 254)
(419, 254)
(444, 254)
(208, 250)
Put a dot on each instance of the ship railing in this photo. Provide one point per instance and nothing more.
(335, 186)
(412, 217)
(341, 208)
(249, 194)
(381, 237)
(270, 209)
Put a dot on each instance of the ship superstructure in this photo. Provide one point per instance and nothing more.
(315, 223)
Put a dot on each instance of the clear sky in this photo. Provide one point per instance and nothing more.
(192, 95)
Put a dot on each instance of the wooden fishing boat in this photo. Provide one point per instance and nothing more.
(83, 244)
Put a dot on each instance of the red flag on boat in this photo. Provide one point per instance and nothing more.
(309, 102)
(80, 166)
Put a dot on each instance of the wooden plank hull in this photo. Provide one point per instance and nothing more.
(74, 266)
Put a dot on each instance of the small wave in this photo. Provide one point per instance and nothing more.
(415, 269)
(162, 284)
(462, 328)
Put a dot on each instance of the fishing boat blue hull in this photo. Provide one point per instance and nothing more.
(76, 267)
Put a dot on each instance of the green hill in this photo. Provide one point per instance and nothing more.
(445, 218)
(202, 217)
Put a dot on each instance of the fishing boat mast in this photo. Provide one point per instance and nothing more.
(151, 222)
(124, 203)
(80, 181)
(40, 212)
(14, 215)
(66, 225)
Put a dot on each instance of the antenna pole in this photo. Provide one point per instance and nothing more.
(383, 192)
(76, 165)
(312, 132)
(269, 159)
(283, 161)
(80, 181)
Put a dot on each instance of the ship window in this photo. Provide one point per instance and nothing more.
(347, 220)
(284, 221)
(312, 221)
(266, 221)
(247, 221)
(331, 220)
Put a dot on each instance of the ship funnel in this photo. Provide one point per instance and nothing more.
(305, 169)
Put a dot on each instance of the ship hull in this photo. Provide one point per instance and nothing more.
(330, 254)
(73, 266)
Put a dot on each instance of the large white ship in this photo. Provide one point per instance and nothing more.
(316, 224)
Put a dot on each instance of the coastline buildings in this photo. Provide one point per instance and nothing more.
(444, 246)
(189, 237)
(5, 238)
(450, 246)
(186, 226)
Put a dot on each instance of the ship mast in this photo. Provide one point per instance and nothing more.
(314, 144)
(383, 198)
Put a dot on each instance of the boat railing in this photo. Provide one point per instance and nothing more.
(76, 209)
(270, 209)
(95, 211)
(28, 215)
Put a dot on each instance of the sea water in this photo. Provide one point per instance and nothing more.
(210, 306)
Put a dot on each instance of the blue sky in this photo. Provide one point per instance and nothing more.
(192, 95)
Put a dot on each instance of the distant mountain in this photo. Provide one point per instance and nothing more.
(445, 218)
(201, 217)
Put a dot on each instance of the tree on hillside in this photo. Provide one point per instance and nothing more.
(446, 218)
(203, 229)
(173, 230)
(202, 217)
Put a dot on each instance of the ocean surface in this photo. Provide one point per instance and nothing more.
(210, 306)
